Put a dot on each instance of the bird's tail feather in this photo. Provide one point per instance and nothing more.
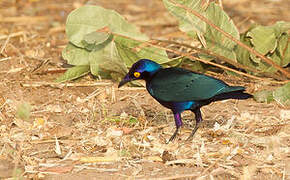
(232, 95)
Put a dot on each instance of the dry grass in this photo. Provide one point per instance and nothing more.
(90, 129)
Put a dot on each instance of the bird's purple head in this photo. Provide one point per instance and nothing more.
(142, 69)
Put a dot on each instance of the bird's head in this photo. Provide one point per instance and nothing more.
(142, 69)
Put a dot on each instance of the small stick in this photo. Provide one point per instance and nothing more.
(12, 35)
(5, 44)
(5, 59)
(53, 84)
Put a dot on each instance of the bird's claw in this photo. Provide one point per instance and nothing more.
(173, 136)
(193, 132)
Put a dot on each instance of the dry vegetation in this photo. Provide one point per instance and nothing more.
(89, 129)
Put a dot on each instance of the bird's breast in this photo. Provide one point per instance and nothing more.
(178, 106)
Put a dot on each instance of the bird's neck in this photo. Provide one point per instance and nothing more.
(149, 75)
(151, 69)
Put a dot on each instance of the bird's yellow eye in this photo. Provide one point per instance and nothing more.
(137, 74)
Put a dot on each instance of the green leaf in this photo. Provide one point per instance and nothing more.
(126, 50)
(284, 49)
(281, 27)
(263, 96)
(265, 67)
(95, 48)
(195, 66)
(133, 120)
(95, 58)
(282, 95)
(216, 41)
(243, 55)
(263, 39)
(107, 59)
(188, 22)
(75, 55)
(97, 40)
(74, 73)
(96, 37)
(88, 19)
(175, 62)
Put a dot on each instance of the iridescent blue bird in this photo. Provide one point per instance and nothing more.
(180, 89)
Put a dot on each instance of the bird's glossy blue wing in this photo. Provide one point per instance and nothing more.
(178, 85)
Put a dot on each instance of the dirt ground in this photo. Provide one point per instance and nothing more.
(90, 129)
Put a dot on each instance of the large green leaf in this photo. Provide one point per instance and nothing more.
(107, 59)
(215, 40)
(97, 40)
(74, 73)
(265, 67)
(126, 50)
(94, 59)
(281, 27)
(75, 55)
(263, 39)
(243, 55)
(282, 95)
(284, 49)
(188, 22)
(263, 96)
(91, 41)
(88, 19)
(271, 41)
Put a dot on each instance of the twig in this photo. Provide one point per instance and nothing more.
(268, 61)
(5, 59)
(42, 63)
(182, 176)
(58, 85)
(5, 44)
(12, 35)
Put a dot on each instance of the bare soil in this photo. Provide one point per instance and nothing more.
(90, 129)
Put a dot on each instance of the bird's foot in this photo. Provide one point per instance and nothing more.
(173, 136)
(189, 138)
(192, 133)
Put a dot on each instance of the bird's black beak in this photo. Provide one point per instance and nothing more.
(124, 81)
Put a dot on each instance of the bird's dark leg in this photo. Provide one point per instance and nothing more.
(198, 119)
(178, 123)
